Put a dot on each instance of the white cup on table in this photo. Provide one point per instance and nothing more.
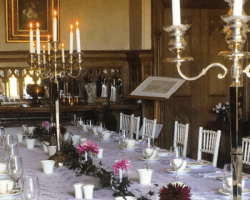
(6, 186)
(78, 190)
(100, 154)
(106, 134)
(45, 146)
(183, 166)
(52, 150)
(48, 166)
(130, 143)
(149, 152)
(19, 137)
(144, 176)
(3, 167)
(66, 136)
(75, 139)
(88, 191)
(31, 129)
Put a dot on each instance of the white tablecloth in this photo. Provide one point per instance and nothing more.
(59, 185)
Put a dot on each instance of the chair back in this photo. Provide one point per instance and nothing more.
(125, 122)
(246, 150)
(209, 142)
(148, 127)
(135, 127)
(181, 136)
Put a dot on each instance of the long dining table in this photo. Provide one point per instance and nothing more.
(59, 184)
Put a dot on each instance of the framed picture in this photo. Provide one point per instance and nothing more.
(20, 13)
(157, 88)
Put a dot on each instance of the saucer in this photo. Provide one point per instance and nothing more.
(135, 147)
(156, 158)
(163, 152)
(12, 193)
(106, 139)
(4, 174)
(196, 164)
(170, 170)
(244, 191)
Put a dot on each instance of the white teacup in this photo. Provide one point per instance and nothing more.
(84, 127)
(52, 150)
(183, 166)
(149, 152)
(6, 186)
(145, 176)
(3, 167)
(100, 154)
(48, 166)
(19, 137)
(78, 190)
(75, 139)
(130, 143)
(106, 135)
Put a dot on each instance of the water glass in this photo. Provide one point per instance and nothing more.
(30, 188)
(176, 160)
(15, 167)
(227, 178)
(8, 139)
(2, 134)
(12, 150)
(148, 150)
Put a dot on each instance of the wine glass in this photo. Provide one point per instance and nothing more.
(74, 121)
(30, 188)
(89, 125)
(148, 150)
(101, 131)
(227, 179)
(123, 140)
(15, 168)
(11, 150)
(2, 134)
(176, 160)
(8, 139)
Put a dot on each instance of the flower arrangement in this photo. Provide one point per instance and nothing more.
(46, 124)
(175, 192)
(122, 164)
(88, 146)
(221, 108)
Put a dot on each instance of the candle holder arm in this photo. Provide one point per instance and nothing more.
(203, 71)
(247, 71)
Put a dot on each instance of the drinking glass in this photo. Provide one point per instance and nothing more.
(74, 121)
(89, 125)
(101, 132)
(148, 150)
(30, 188)
(2, 134)
(8, 139)
(15, 167)
(227, 179)
(176, 160)
(11, 150)
(123, 140)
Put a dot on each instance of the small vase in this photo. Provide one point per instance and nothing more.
(117, 179)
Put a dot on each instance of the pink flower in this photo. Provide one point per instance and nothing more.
(46, 124)
(121, 164)
(88, 146)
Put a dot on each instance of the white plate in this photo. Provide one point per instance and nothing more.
(135, 147)
(196, 164)
(244, 191)
(156, 158)
(170, 170)
(9, 195)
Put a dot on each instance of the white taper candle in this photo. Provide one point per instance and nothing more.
(238, 7)
(78, 41)
(71, 39)
(38, 50)
(176, 14)
(54, 27)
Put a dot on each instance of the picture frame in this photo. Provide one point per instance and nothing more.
(157, 88)
(19, 14)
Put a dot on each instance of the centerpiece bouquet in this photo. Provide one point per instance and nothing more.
(221, 109)
(87, 147)
(46, 125)
(175, 191)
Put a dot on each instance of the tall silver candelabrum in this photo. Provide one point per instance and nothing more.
(51, 71)
(235, 31)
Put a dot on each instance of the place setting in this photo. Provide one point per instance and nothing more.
(149, 151)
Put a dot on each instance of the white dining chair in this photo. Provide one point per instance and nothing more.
(209, 142)
(246, 151)
(181, 136)
(148, 127)
(125, 122)
(135, 127)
